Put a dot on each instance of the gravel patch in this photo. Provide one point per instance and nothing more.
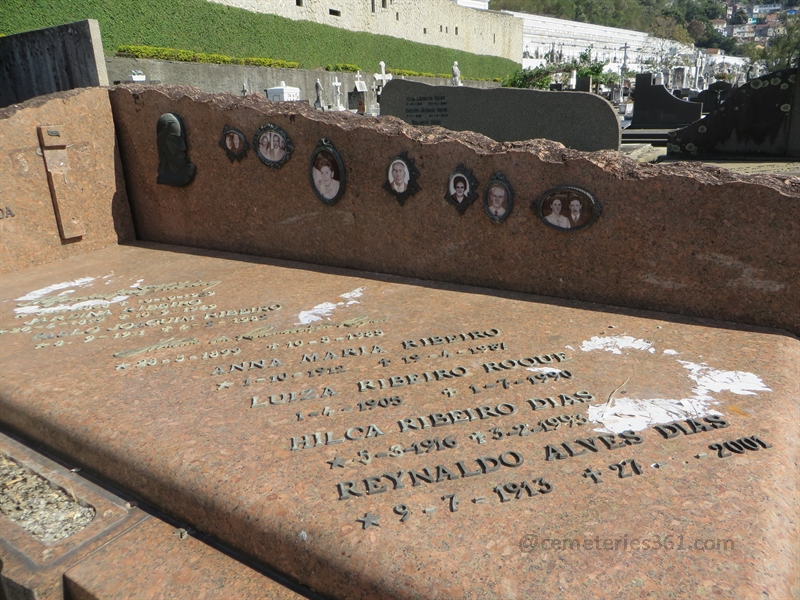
(48, 512)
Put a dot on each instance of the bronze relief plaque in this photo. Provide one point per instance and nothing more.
(567, 208)
(234, 143)
(326, 173)
(174, 167)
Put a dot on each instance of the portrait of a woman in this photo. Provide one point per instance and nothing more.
(325, 176)
(459, 188)
(555, 217)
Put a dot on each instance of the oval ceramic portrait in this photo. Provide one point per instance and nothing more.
(401, 178)
(567, 208)
(498, 198)
(234, 143)
(326, 173)
(462, 188)
(273, 145)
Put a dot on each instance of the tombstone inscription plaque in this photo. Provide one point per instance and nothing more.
(373, 436)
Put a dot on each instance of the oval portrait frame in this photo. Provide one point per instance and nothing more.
(590, 209)
(327, 153)
(471, 192)
(412, 174)
(498, 179)
(230, 152)
(277, 160)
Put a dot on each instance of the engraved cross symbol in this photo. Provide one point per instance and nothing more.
(478, 437)
(224, 385)
(595, 475)
(450, 392)
(123, 366)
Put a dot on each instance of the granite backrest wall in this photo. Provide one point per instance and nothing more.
(685, 238)
(86, 178)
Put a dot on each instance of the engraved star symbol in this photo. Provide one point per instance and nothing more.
(369, 519)
(595, 475)
(167, 328)
(478, 437)
(123, 366)
(224, 385)
(336, 462)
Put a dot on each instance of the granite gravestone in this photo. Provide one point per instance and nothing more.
(577, 120)
(50, 60)
(714, 96)
(761, 118)
(655, 108)
(371, 437)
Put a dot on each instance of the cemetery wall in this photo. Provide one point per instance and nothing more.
(51, 60)
(436, 22)
(88, 180)
(231, 78)
(686, 239)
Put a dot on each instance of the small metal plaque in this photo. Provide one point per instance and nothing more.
(462, 188)
(401, 179)
(567, 208)
(498, 198)
(326, 173)
(234, 142)
(273, 145)
(52, 136)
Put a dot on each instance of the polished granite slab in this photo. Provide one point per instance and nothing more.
(374, 436)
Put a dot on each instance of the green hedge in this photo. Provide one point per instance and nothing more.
(200, 57)
(343, 68)
(199, 26)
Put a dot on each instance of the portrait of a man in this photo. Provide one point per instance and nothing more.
(567, 208)
(578, 215)
(497, 201)
(498, 198)
(234, 143)
(272, 145)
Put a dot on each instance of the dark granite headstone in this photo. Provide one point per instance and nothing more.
(583, 84)
(655, 108)
(577, 120)
(715, 95)
(50, 60)
(756, 120)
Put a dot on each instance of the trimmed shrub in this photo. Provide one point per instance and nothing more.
(199, 57)
(343, 68)
(206, 28)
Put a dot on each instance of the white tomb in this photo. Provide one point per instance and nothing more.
(283, 93)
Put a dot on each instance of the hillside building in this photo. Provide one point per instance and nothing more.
(436, 22)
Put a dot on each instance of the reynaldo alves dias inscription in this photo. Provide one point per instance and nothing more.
(379, 438)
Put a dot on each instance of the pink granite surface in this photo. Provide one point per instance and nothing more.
(91, 183)
(160, 419)
(683, 238)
